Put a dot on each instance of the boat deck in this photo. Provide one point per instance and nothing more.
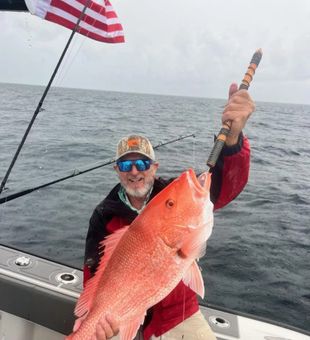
(38, 297)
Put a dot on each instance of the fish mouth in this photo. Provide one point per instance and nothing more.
(202, 183)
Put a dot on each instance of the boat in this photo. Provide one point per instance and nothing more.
(38, 296)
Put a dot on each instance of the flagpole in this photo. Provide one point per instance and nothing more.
(38, 109)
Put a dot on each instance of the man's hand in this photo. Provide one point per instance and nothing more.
(237, 111)
(106, 328)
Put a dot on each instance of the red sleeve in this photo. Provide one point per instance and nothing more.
(234, 174)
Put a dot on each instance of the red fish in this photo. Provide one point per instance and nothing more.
(145, 261)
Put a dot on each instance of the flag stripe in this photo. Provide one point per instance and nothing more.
(102, 16)
(108, 9)
(69, 24)
(98, 21)
(58, 13)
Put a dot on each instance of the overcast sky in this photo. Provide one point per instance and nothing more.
(193, 48)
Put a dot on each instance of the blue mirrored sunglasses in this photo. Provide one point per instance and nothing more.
(140, 164)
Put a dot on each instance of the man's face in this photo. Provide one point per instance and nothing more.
(137, 183)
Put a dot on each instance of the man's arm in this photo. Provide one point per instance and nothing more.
(231, 172)
(230, 175)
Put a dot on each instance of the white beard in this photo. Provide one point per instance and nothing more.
(141, 192)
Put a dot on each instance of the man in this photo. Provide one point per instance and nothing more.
(178, 315)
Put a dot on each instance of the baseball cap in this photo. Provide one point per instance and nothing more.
(135, 143)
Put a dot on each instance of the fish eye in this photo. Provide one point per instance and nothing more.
(169, 203)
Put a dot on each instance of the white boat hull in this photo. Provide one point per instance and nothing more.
(38, 298)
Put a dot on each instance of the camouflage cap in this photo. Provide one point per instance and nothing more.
(136, 144)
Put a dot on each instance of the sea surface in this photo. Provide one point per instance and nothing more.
(257, 258)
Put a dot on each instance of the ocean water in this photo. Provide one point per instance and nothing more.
(257, 259)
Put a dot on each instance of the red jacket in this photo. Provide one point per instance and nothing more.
(229, 177)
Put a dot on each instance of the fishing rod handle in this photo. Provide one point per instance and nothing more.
(225, 130)
(219, 144)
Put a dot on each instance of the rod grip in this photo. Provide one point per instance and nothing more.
(219, 144)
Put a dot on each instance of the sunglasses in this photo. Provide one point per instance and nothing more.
(140, 164)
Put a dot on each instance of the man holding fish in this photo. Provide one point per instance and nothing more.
(170, 302)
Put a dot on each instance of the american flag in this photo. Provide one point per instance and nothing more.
(99, 22)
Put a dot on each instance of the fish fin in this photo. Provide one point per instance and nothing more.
(194, 248)
(78, 322)
(193, 279)
(129, 330)
(107, 247)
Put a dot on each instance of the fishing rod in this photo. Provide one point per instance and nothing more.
(39, 107)
(225, 130)
(77, 172)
